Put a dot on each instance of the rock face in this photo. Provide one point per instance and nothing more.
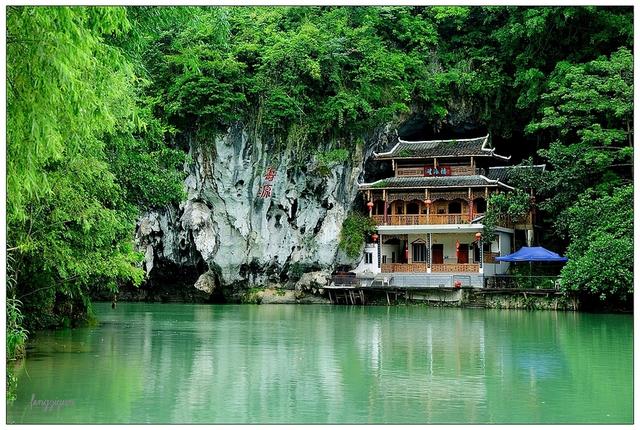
(256, 212)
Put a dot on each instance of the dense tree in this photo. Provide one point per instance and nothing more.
(588, 112)
(77, 124)
(99, 97)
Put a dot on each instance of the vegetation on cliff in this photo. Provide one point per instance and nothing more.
(98, 100)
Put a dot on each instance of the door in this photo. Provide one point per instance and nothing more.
(437, 253)
(463, 254)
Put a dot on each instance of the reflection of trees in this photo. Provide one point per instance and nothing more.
(200, 363)
(558, 367)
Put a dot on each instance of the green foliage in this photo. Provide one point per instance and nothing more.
(252, 296)
(586, 113)
(84, 152)
(587, 116)
(16, 334)
(333, 157)
(513, 206)
(355, 229)
(65, 89)
(12, 382)
(600, 227)
(328, 159)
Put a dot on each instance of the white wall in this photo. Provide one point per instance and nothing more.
(363, 267)
(449, 241)
(502, 244)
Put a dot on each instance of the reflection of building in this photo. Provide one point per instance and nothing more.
(429, 214)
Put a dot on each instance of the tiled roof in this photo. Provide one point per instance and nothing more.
(502, 173)
(436, 182)
(476, 147)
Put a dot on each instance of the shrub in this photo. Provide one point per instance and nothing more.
(353, 234)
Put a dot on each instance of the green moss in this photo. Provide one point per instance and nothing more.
(381, 184)
(332, 157)
(252, 296)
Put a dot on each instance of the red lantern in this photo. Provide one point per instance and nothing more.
(370, 205)
(457, 284)
(374, 237)
(478, 236)
(427, 202)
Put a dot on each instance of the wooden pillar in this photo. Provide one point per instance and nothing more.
(404, 211)
(384, 198)
(428, 252)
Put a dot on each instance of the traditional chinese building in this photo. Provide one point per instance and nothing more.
(429, 213)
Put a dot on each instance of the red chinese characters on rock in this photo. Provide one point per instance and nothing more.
(266, 189)
(270, 175)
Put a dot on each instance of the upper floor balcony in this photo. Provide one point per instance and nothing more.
(425, 219)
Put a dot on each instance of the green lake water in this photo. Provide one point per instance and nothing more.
(183, 363)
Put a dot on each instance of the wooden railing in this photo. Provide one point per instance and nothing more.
(422, 268)
(432, 219)
(471, 267)
(378, 219)
(421, 219)
(403, 267)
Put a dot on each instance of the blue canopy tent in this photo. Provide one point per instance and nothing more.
(530, 254)
(533, 253)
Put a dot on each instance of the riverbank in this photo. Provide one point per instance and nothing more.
(434, 297)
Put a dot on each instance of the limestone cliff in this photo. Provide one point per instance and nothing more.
(255, 213)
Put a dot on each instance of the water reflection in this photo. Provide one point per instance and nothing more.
(318, 364)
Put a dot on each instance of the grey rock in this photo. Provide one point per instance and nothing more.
(245, 234)
(206, 282)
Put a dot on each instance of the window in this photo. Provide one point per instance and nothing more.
(368, 258)
(455, 207)
(481, 206)
(384, 259)
(413, 208)
(419, 253)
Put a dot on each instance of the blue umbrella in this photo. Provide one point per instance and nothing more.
(533, 253)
